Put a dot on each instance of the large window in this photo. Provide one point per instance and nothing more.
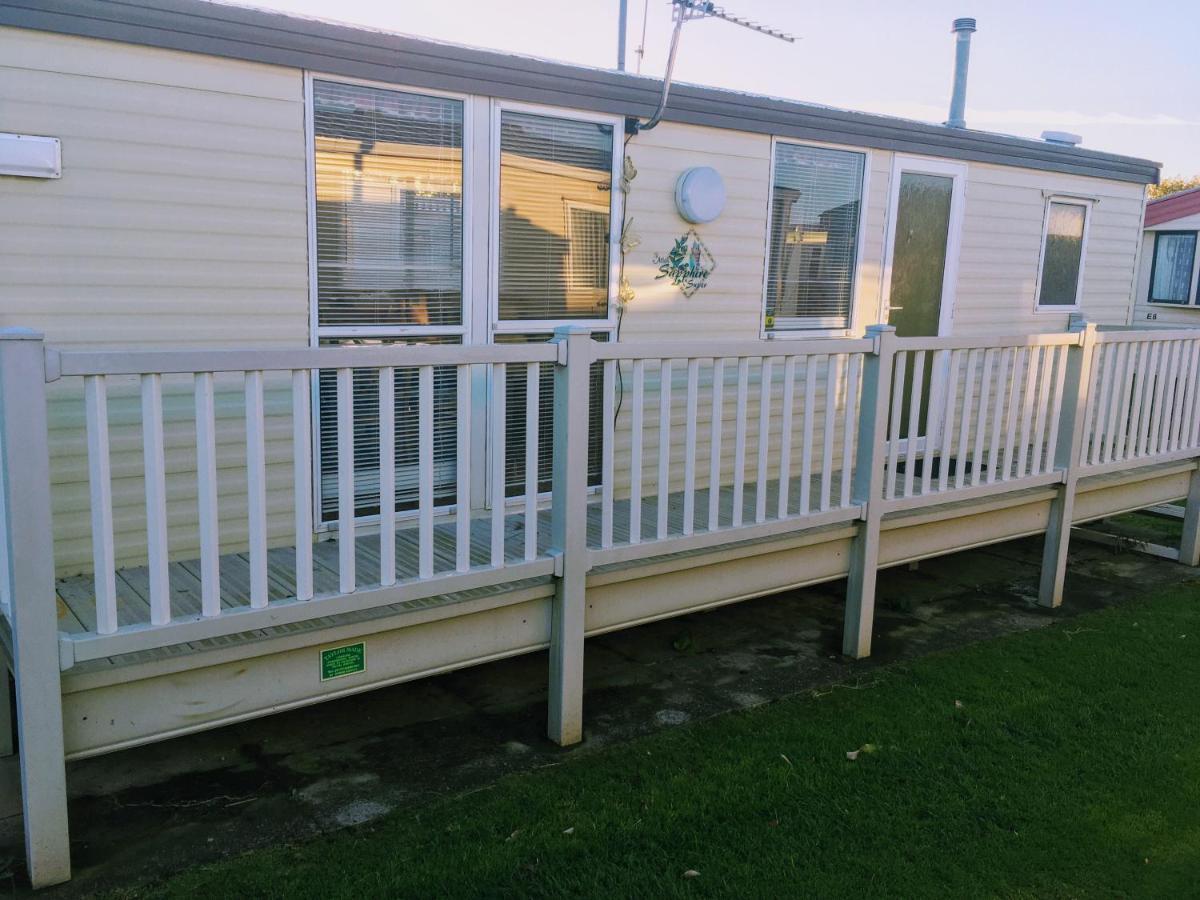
(812, 244)
(388, 179)
(555, 218)
(1062, 254)
(1171, 272)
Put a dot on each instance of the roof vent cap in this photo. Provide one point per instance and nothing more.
(1062, 138)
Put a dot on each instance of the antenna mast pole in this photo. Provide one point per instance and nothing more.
(683, 11)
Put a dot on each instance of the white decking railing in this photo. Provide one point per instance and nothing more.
(723, 442)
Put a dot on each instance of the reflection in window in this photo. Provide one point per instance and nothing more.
(815, 200)
(1062, 255)
(555, 214)
(1171, 270)
(388, 169)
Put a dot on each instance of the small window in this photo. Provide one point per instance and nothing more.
(1171, 269)
(1062, 254)
(812, 240)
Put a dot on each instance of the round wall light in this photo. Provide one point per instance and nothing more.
(700, 194)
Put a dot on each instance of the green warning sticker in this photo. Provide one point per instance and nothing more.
(337, 662)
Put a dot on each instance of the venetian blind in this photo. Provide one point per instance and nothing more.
(815, 199)
(389, 224)
(555, 214)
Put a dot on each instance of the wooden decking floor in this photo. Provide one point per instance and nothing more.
(76, 594)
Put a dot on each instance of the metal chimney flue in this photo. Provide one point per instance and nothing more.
(962, 29)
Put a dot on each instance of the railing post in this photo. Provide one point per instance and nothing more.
(568, 533)
(1189, 544)
(34, 611)
(868, 490)
(1066, 460)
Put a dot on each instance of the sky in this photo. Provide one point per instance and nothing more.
(1124, 75)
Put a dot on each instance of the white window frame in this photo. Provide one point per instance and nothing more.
(833, 330)
(316, 331)
(617, 218)
(924, 165)
(1065, 200)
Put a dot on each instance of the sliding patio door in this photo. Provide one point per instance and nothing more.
(388, 247)
(554, 257)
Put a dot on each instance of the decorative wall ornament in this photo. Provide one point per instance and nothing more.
(688, 264)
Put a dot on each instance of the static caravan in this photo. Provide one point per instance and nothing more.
(332, 359)
(1166, 292)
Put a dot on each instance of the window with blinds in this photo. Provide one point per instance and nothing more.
(816, 196)
(1062, 254)
(1171, 267)
(389, 210)
(555, 218)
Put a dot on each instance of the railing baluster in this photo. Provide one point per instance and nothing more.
(1193, 423)
(739, 439)
(104, 567)
(897, 404)
(1032, 363)
(1003, 379)
(764, 438)
(156, 499)
(806, 446)
(424, 472)
(347, 580)
(1181, 379)
(387, 475)
(934, 425)
(1152, 381)
(964, 430)
(499, 482)
(1039, 463)
(1168, 403)
(206, 495)
(532, 418)
(1010, 427)
(256, 487)
(850, 426)
(833, 376)
(1105, 359)
(914, 424)
(462, 461)
(302, 486)
(785, 434)
(1059, 357)
(716, 427)
(954, 367)
(1115, 449)
(1140, 357)
(985, 388)
(662, 506)
(1160, 385)
(637, 412)
(608, 427)
(689, 449)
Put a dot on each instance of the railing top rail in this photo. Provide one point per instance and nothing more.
(633, 350)
(988, 342)
(161, 362)
(1147, 334)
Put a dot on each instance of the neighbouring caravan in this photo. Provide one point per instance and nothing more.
(1166, 291)
(316, 338)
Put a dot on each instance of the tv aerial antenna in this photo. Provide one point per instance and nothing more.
(685, 11)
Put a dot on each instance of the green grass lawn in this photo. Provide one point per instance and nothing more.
(1061, 763)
